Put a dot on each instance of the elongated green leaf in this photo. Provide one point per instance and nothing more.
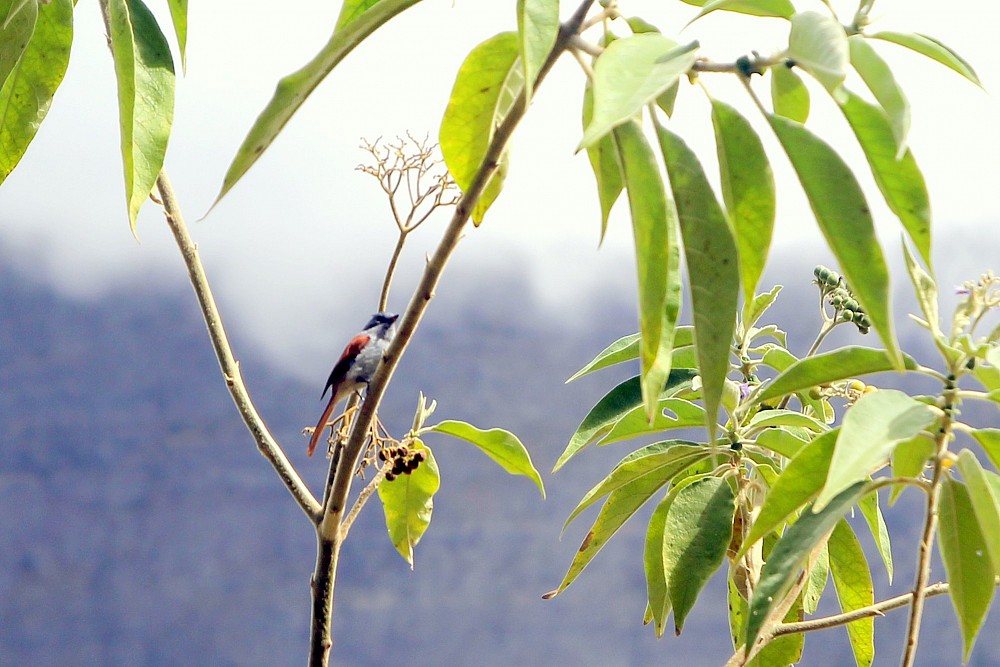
(880, 532)
(966, 561)
(908, 460)
(871, 429)
(774, 8)
(17, 24)
(662, 460)
(853, 581)
(700, 525)
(985, 502)
(781, 441)
(630, 74)
(932, 48)
(845, 220)
(880, 81)
(537, 27)
(612, 407)
(989, 440)
(841, 364)
(486, 88)
(816, 584)
(145, 73)
(799, 483)
(789, 555)
(771, 418)
(747, 190)
(818, 44)
(754, 308)
(27, 92)
(789, 96)
(657, 258)
(500, 445)
(178, 15)
(607, 168)
(926, 291)
(626, 348)
(656, 578)
(671, 413)
(358, 19)
(713, 267)
(899, 179)
(408, 502)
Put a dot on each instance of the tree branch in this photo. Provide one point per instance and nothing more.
(227, 362)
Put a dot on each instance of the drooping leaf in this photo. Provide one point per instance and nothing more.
(145, 73)
(671, 413)
(607, 168)
(840, 364)
(537, 28)
(789, 96)
(880, 532)
(926, 291)
(899, 179)
(486, 88)
(747, 190)
(408, 502)
(878, 77)
(908, 460)
(656, 579)
(773, 8)
(631, 73)
(789, 555)
(989, 440)
(818, 44)
(985, 499)
(27, 92)
(626, 348)
(500, 445)
(966, 561)
(819, 573)
(871, 429)
(657, 255)
(358, 20)
(612, 407)
(712, 263)
(853, 581)
(700, 525)
(17, 24)
(178, 15)
(845, 220)
(932, 48)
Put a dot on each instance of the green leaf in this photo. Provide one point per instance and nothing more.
(662, 460)
(626, 348)
(358, 19)
(840, 364)
(845, 220)
(612, 407)
(816, 584)
(27, 92)
(908, 460)
(932, 48)
(657, 254)
(408, 502)
(537, 28)
(853, 581)
(656, 578)
(486, 88)
(881, 82)
(989, 440)
(880, 532)
(631, 73)
(926, 290)
(899, 179)
(747, 190)
(781, 441)
(500, 445)
(700, 525)
(790, 554)
(871, 429)
(966, 561)
(671, 413)
(178, 15)
(818, 44)
(771, 418)
(789, 96)
(713, 267)
(754, 308)
(985, 499)
(17, 24)
(603, 158)
(772, 8)
(798, 484)
(145, 73)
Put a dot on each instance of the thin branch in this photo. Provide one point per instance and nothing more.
(227, 362)
(390, 270)
(360, 501)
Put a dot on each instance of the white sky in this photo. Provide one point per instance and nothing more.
(303, 228)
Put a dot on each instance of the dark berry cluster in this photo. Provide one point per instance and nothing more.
(403, 460)
(836, 292)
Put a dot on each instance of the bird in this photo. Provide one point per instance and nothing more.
(356, 366)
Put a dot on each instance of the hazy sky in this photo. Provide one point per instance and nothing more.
(297, 249)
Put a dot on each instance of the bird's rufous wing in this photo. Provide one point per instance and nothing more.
(333, 383)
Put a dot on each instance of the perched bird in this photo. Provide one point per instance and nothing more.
(356, 366)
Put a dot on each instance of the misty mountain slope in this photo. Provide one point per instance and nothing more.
(141, 527)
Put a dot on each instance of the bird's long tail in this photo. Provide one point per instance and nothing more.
(321, 425)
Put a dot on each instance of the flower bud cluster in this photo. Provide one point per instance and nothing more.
(835, 291)
(403, 460)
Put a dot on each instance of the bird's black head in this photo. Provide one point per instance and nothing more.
(381, 319)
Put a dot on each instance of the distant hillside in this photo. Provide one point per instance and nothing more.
(141, 527)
